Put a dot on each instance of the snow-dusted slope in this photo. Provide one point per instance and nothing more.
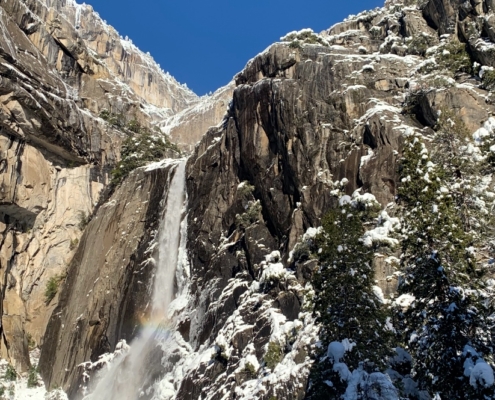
(112, 64)
(27, 386)
(187, 126)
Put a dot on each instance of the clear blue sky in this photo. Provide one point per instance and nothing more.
(205, 43)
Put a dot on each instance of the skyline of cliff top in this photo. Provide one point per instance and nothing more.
(226, 34)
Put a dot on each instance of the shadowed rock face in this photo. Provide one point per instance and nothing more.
(292, 136)
(292, 131)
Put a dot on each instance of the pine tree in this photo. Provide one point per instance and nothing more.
(448, 314)
(462, 167)
(354, 336)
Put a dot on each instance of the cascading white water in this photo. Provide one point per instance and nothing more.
(131, 371)
(168, 243)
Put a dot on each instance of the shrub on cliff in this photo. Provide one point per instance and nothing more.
(450, 56)
(250, 216)
(140, 149)
(116, 120)
(488, 149)
(10, 373)
(84, 220)
(32, 380)
(273, 355)
(304, 36)
(249, 371)
(454, 57)
(51, 288)
(73, 244)
(418, 44)
(488, 79)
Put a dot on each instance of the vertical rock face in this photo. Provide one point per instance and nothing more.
(297, 125)
(41, 207)
(306, 118)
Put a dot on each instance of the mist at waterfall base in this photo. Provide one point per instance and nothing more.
(134, 371)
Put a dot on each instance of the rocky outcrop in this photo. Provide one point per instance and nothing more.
(99, 70)
(294, 129)
(107, 72)
(37, 106)
(305, 120)
(302, 123)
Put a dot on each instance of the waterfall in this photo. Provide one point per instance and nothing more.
(137, 368)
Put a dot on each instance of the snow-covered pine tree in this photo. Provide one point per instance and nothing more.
(446, 327)
(354, 336)
(463, 167)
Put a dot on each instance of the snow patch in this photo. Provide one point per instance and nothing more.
(405, 300)
(21, 389)
(386, 225)
(336, 351)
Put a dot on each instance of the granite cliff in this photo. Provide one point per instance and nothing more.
(311, 116)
